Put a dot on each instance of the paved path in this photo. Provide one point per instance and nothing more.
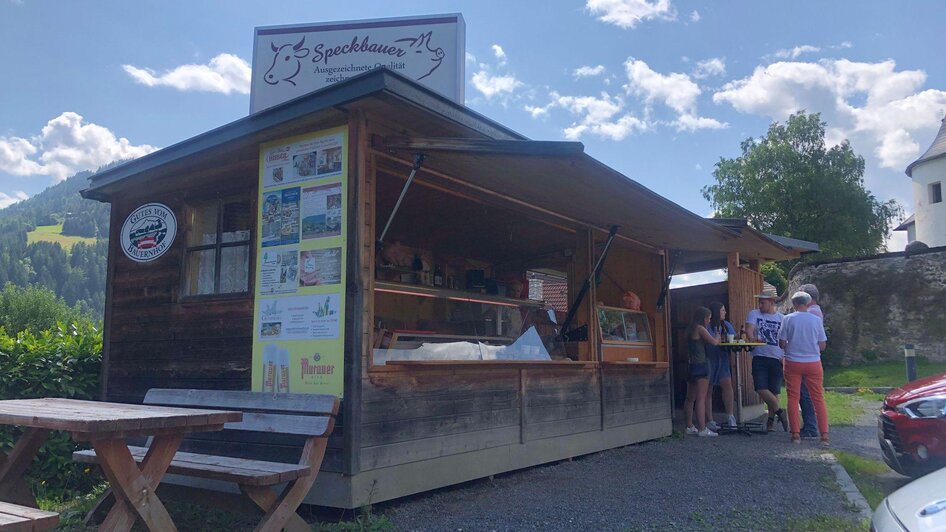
(860, 439)
(725, 483)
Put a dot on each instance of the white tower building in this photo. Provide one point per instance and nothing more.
(929, 177)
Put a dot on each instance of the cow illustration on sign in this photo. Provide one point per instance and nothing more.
(286, 64)
(421, 43)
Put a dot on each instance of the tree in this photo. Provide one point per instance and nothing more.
(788, 183)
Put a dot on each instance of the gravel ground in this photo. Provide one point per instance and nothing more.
(727, 483)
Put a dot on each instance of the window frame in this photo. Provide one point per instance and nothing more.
(938, 197)
(218, 246)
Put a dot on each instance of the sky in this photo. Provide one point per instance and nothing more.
(657, 89)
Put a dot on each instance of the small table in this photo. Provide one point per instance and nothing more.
(736, 347)
(105, 426)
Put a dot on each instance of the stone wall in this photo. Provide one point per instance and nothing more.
(873, 306)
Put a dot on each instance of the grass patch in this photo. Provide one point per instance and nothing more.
(880, 374)
(872, 477)
(843, 408)
(53, 233)
(821, 522)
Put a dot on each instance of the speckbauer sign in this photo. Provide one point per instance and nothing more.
(289, 61)
(148, 232)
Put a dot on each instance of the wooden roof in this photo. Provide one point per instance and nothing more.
(553, 177)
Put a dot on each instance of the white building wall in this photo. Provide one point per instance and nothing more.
(930, 218)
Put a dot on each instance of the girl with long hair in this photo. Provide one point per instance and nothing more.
(697, 338)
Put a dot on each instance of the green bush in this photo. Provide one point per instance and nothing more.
(61, 362)
(34, 309)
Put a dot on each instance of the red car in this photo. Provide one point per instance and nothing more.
(912, 426)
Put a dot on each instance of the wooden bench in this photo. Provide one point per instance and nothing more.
(306, 415)
(16, 518)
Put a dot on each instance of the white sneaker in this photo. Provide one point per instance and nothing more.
(712, 425)
(692, 430)
(732, 421)
(706, 432)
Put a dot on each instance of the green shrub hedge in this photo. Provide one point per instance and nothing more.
(61, 362)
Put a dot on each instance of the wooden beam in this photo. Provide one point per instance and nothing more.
(485, 146)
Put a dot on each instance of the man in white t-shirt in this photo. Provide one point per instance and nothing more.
(763, 325)
(803, 338)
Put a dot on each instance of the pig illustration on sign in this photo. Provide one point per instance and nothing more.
(286, 64)
(421, 45)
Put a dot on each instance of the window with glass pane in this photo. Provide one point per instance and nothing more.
(218, 248)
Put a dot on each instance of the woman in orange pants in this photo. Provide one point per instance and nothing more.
(803, 338)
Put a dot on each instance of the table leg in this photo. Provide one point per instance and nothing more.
(13, 487)
(739, 387)
(134, 488)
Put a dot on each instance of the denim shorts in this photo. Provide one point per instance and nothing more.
(767, 374)
(697, 371)
(718, 365)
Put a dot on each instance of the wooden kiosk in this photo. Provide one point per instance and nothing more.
(449, 372)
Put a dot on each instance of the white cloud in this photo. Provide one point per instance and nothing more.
(65, 146)
(492, 85)
(693, 279)
(600, 116)
(224, 73)
(695, 16)
(470, 58)
(499, 53)
(675, 90)
(872, 104)
(698, 167)
(714, 66)
(629, 13)
(6, 200)
(797, 51)
(538, 111)
(588, 71)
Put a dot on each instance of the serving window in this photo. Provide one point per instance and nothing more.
(454, 275)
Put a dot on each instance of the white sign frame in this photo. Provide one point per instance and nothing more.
(295, 59)
(163, 237)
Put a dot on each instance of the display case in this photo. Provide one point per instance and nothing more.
(421, 323)
(625, 336)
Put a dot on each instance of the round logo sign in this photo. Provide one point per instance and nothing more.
(148, 232)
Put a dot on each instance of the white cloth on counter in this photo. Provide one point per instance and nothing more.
(528, 346)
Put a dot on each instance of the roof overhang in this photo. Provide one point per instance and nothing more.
(756, 245)
(382, 85)
(555, 177)
(906, 224)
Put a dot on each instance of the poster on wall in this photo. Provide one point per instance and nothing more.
(299, 333)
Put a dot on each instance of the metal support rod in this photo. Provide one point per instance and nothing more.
(666, 287)
(418, 162)
(573, 308)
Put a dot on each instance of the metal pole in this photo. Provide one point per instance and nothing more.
(418, 161)
(909, 357)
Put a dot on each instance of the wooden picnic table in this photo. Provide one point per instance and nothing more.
(105, 426)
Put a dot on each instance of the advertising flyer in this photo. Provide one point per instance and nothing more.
(278, 271)
(322, 211)
(299, 333)
(320, 267)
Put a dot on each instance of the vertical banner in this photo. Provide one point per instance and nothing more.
(298, 336)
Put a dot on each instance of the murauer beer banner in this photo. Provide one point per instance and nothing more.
(298, 336)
